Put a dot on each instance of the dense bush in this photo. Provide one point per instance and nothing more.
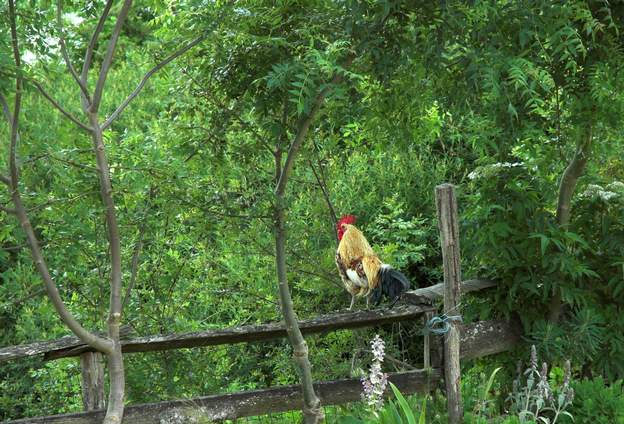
(598, 402)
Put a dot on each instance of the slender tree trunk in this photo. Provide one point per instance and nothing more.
(116, 378)
(111, 346)
(312, 411)
(566, 190)
(115, 407)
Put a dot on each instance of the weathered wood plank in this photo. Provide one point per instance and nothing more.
(245, 404)
(431, 293)
(92, 380)
(448, 224)
(37, 348)
(71, 346)
(427, 342)
(484, 338)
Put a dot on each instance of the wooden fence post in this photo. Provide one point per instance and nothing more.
(448, 225)
(92, 380)
(427, 342)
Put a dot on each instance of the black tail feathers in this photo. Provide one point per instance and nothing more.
(392, 284)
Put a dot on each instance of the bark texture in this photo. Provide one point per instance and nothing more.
(567, 186)
(312, 411)
(92, 380)
(448, 223)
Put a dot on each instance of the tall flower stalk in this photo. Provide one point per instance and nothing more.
(375, 383)
(535, 400)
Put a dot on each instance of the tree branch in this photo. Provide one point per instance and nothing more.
(91, 48)
(147, 76)
(303, 127)
(323, 186)
(72, 70)
(571, 175)
(108, 58)
(91, 339)
(237, 116)
(138, 247)
(9, 211)
(14, 122)
(5, 109)
(59, 107)
(7, 114)
(16, 302)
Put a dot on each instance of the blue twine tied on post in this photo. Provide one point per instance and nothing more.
(440, 324)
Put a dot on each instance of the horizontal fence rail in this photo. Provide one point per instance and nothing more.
(477, 340)
(246, 404)
(485, 338)
(72, 346)
(435, 292)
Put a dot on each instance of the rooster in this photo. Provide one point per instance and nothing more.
(361, 271)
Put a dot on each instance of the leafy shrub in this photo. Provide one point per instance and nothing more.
(597, 402)
(534, 399)
(512, 229)
(402, 240)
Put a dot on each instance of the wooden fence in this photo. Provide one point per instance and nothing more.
(441, 358)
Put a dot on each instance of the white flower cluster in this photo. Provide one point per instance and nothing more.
(611, 191)
(375, 384)
(489, 170)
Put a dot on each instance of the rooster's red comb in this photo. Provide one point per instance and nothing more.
(347, 219)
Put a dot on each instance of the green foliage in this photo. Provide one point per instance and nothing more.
(397, 411)
(402, 241)
(492, 96)
(520, 243)
(598, 402)
(482, 407)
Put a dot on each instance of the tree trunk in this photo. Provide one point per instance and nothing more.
(566, 190)
(116, 379)
(92, 380)
(312, 411)
(115, 407)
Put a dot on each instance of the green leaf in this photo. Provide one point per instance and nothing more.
(512, 110)
(405, 408)
(544, 242)
(488, 386)
(423, 411)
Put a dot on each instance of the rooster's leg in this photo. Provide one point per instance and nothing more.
(367, 302)
(352, 301)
